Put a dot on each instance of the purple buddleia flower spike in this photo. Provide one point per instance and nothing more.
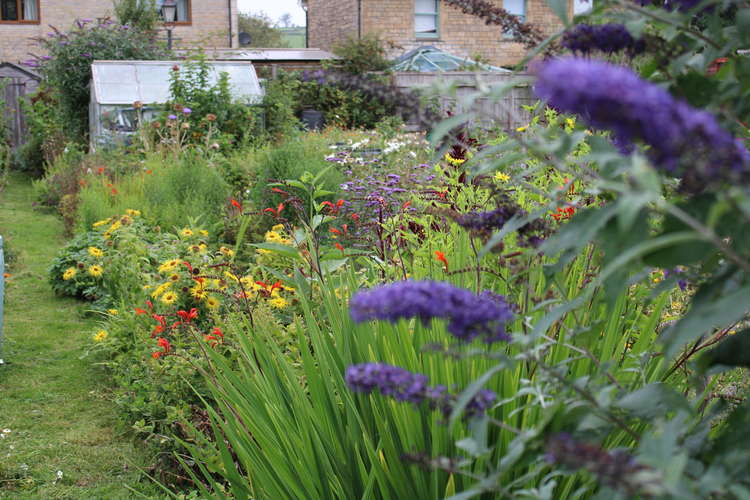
(607, 38)
(405, 386)
(468, 315)
(684, 141)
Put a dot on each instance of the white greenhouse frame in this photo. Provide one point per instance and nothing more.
(117, 85)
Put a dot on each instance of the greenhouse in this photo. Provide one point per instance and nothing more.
(428, 58)
(117, 85)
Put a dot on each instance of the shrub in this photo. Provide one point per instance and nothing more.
(67, 65)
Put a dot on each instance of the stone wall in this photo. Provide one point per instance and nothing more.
(331, 21)
(209, 25)
(459, 34)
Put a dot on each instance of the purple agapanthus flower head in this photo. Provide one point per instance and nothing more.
(186, 111)
(172, 117)
(682, 140)
(608, 38)
(405, 386)
(468, 315)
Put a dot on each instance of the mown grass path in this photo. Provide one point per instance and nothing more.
(53, 401)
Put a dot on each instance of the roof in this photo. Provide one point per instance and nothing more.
(428, 59)
(19, 69)
(270, 55)
(125, 82)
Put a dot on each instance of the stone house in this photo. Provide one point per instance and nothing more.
(413, 23)
(211, 23)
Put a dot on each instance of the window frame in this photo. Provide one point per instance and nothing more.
(19, 7)
(189, 13)
(507, 35)
(436, 14)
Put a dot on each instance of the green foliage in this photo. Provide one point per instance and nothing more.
(201, 113)
(67, 67)
(169, 192)
(138, 14)
(261, 29)
(357, 56)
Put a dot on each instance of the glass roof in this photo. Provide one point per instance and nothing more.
(124, 82)
(428, 59)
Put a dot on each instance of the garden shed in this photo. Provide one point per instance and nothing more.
(117, 85)
(17, 83)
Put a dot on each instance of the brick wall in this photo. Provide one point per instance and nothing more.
(331, 21)
(460, 34)
(209, 26)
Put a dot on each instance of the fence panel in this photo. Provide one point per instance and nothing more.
(2, 297)
(506, 113)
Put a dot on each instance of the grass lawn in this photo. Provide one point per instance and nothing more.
(53, 401)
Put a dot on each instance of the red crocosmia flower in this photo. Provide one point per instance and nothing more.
(175, 325)
(157, 330)
(442, 194)
(276, 285)
(440, 256)
(188, 316)
(139, 311)
(150, 305)
(279, 209)
(156, 354)
(236, 204)
(261, 283)
(330, 206)
(114, 191)
(149, 171)
(345, 228)
(217, 332)
(187, 264)
(280, 191)
(338, 245)
(100, 170)
(339, 204)
(164, 344)
(355, 217)
(406, 205)
(211, 340)
(334, 230)
(109, 184)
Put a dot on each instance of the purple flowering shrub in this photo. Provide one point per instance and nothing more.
(65, 56)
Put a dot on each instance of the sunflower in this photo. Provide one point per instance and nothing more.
(95, 270)
(169, 265)
(95, 252)
(198, 292)
(169, 298)
(161, 289)
(101, 222)
(69, 273)
(212, 302)
(100, 336)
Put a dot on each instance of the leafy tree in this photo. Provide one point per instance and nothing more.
(139, 14)
(261, 30)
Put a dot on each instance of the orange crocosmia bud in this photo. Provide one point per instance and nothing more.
(338, 245)
(139, 311)
(334, 230)
(440, 256)
(236, 204)
(156, 354)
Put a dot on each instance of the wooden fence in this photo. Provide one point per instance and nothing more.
(506, 112)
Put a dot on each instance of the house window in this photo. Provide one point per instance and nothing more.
(426, 18)
(19, 11)
(582, 7)
(183, 10)
(517, 8)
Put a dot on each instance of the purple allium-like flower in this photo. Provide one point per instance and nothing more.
(31, 63)
(405, 386)
(607, 38)
(172, 117)
(617, 469)
(468, 315)
(682, 140)
(187, 111)
(85, 54)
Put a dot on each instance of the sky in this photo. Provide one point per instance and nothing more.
(275, 9)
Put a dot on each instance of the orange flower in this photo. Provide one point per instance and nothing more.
(236, 204)
(440, 256)
(338, 245)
